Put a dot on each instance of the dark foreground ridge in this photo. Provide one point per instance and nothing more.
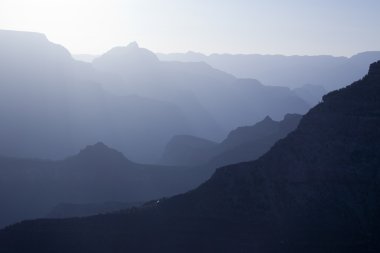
(317, 190)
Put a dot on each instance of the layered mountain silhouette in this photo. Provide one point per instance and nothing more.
(291, 71)
(97, 174)
(316, 190)
(51, 105)
(243, 144)
(214, 102)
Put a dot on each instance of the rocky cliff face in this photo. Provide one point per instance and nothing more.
(317, 190)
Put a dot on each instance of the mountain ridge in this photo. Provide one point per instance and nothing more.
(330, 72)
(241, 144)
(316, 189)
(95, 174)
(214, 101)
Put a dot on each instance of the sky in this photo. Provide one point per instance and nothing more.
(290, 27)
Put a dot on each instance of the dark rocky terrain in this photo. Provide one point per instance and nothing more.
(317, 190)
(68, 210)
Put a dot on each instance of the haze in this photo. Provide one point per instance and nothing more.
(211, 26)
(189, 126)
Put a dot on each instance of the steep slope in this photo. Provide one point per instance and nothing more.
(214, 101)
(242, 144)
(97, 174)
(317, 190)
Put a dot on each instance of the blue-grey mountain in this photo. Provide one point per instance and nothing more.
(317, 190)
(291, 71)
(51, 105)
(242, 144)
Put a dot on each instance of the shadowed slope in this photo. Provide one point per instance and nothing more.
(317, 190)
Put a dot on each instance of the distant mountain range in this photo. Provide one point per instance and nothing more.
(290, 71)
(100, 179)
(242, 144)
(323, 72)
(51, 105)
(317, 190)
(208, 97)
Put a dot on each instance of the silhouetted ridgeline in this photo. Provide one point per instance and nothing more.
(213, 101)
(242, 144)
(317, 190)
(30, 189)
(100, 174)
(52, 105)
(291, 71)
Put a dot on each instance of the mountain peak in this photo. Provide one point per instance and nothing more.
(267, 119)
(133, 45)
(98, 145)
(130, 57)
(100, 152)
(374, 69)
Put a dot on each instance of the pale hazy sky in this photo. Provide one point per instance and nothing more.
(338, 27)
